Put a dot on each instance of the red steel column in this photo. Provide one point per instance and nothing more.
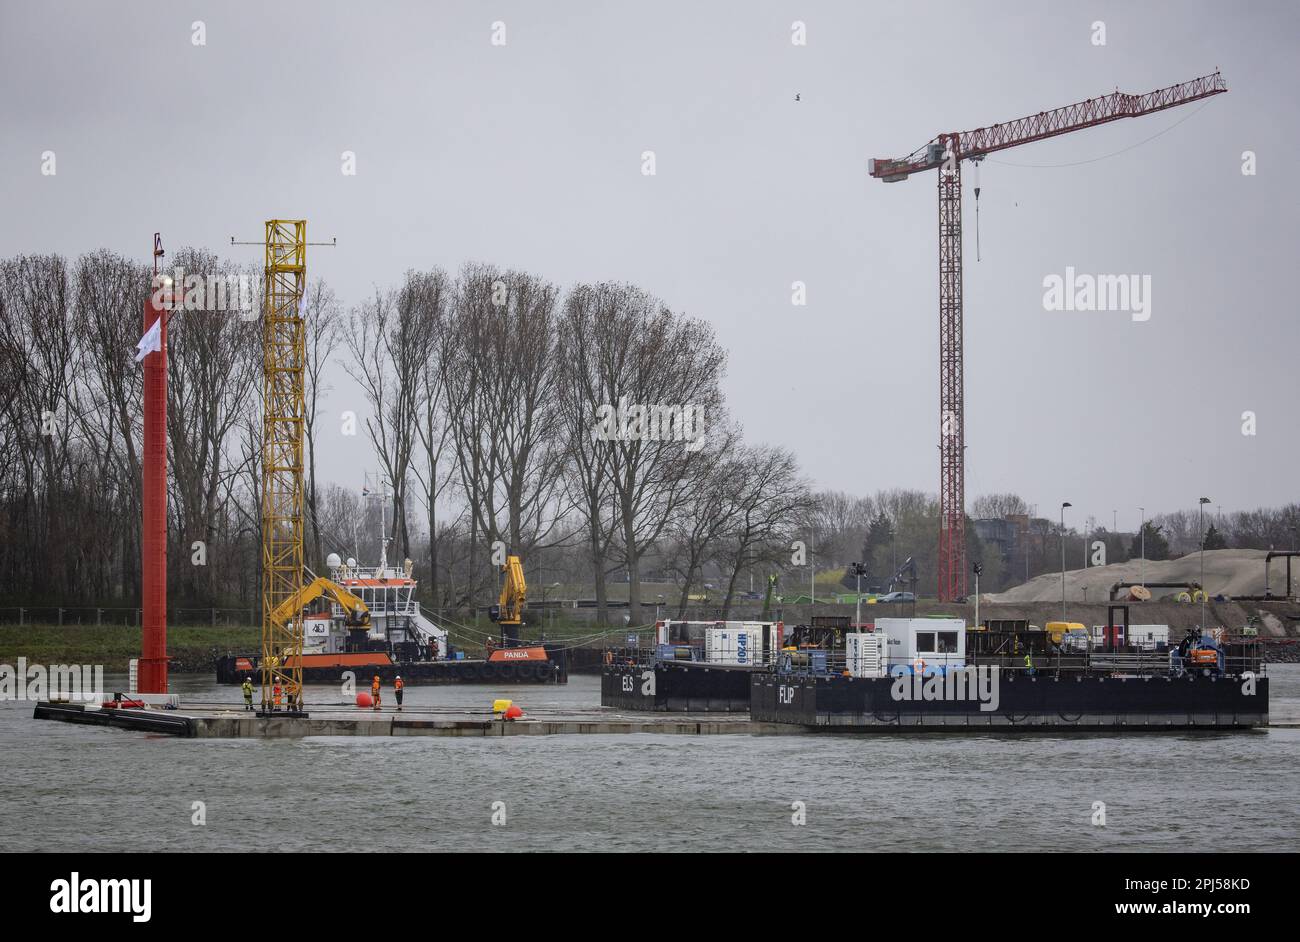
(153, 542)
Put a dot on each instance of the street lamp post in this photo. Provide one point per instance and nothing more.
(979, 568)
(812, 572)
(1063, 506)
(858, 570)
(1200, 517)
(1142, 535)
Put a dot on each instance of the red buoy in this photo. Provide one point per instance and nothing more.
(364, 701)
(514, 712)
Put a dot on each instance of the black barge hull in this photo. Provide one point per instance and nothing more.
(141, 721)
(1082, 703)
(685, 687)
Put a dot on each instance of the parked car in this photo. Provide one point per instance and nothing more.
(897, 597)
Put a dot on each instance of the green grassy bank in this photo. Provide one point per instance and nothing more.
(191, 648)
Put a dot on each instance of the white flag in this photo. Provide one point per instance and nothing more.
(150, 342)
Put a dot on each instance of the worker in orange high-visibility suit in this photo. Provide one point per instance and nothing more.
(397, 691)
(275, 697)
(374, 691)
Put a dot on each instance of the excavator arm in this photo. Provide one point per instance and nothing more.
(356, 613)
(514, 593)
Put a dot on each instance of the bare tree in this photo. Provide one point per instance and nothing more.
(705, 514)
(653, 370)
(998, 506)
(341, 517)
(388, 349)
(323, 324)
(213, 364)
(840, 521)
(588, 479)
(429, 295)
(38, 350)
(1265, 528)
(110, 296)
(499, 373)
(770, 499)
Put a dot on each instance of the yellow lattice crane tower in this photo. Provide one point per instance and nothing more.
(284, 357)
(284, 353)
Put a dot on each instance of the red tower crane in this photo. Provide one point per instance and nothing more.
(945, 153)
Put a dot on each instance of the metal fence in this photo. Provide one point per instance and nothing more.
(122, 617)
(127, 617)
(833, 662)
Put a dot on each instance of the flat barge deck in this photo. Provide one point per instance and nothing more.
(222, 722)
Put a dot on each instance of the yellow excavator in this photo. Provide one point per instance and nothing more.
(509, 610)
(355, 613)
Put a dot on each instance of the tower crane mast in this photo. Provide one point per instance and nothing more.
(284, 338)
(945, 154)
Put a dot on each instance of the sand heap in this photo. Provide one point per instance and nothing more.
(1229, 572)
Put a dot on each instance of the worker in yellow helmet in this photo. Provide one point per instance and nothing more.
(397, 691)
(374, 691)
(247, 687)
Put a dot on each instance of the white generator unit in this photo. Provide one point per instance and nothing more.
(1148, 637)
(866, 654)
(739, 643)
(924, 645)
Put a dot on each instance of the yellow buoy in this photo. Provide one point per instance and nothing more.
(500, 706)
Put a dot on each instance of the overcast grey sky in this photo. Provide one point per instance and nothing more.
(529, 155)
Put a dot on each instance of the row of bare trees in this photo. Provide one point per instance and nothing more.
(488, 388)
(584, 429)
(69, 491)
